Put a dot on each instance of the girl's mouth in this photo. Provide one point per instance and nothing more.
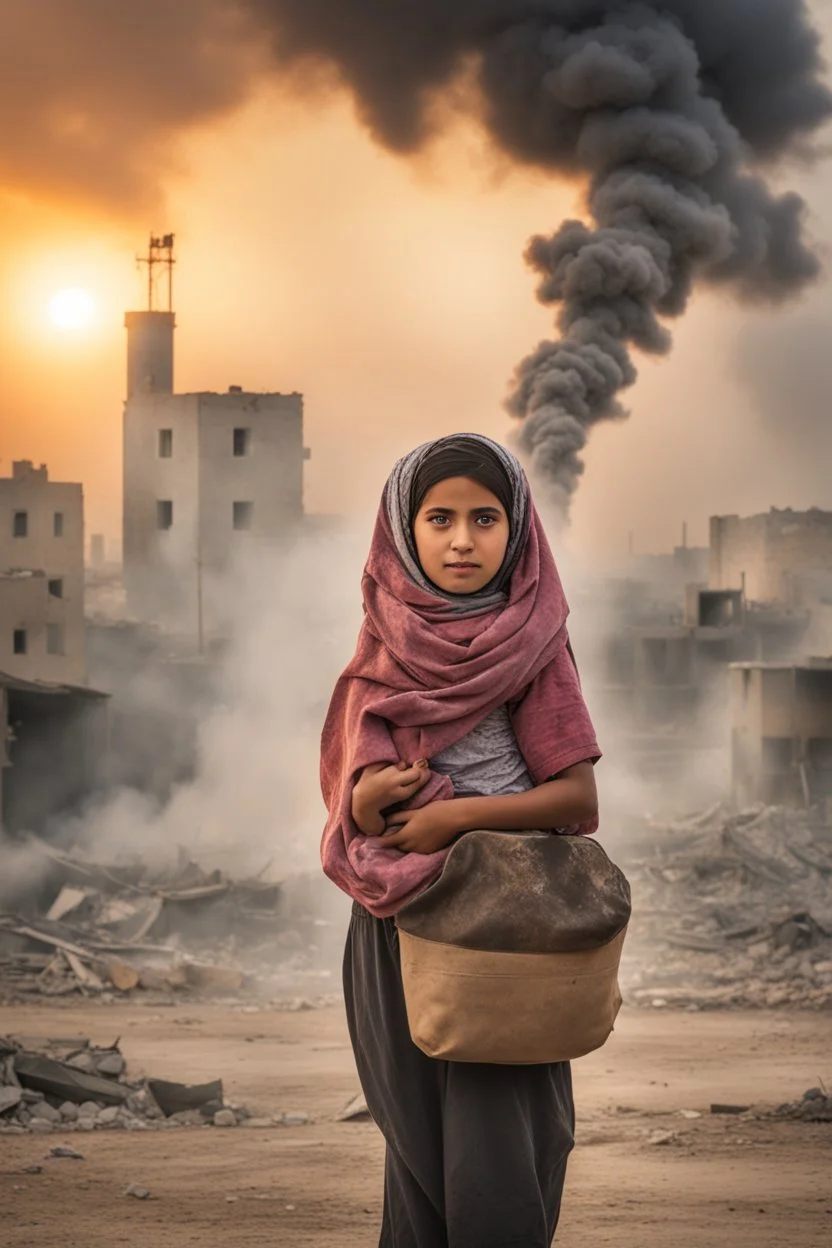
(462, 567)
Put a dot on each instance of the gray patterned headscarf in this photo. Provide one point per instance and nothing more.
(398, 503)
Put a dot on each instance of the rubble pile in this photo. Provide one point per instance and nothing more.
(731, 909)
(69, 1085)
(100, 930)
(814, 1106)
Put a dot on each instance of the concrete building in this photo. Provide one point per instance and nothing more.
(53, 727)
(206, 477)
(781, 732)
(775, 557)
(41, 577)
(657, 674)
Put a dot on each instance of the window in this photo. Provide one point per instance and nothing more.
(56, 588)
(165, 443)
(242, 440)
(20, 646)
(20, 524)
(54, 638)
(58, 524)
(164, 514)
(243, 513)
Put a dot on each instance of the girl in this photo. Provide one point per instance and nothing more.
(460, 710)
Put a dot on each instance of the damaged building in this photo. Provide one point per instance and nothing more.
(666, 666)
(53, 725)
(780, 557)
(781, 732)
(206, 476)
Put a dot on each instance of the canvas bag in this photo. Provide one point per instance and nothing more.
(511, 957)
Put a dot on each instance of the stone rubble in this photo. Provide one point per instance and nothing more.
(110, 930)
(730, 909)
(40, 1111)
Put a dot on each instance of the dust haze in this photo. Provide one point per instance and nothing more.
(127, 108)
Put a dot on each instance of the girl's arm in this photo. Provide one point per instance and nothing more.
(568, 799)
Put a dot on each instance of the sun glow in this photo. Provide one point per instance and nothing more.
(72, 309)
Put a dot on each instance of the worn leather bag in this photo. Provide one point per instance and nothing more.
(511, 956)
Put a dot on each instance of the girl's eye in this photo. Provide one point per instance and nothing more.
(485, 522)
(439, 521)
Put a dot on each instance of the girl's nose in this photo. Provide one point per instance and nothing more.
(462, 539)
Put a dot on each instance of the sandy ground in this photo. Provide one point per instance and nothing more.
(727, 1182)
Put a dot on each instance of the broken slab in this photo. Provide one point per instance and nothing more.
(68, 900)
(355, 1110)
(60, 1080)
(172, 1098)
(84, 974)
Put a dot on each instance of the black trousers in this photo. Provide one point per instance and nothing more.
(476, 1154)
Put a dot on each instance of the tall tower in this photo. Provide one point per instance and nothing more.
(150, 333)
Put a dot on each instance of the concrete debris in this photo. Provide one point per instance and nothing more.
(174, 1098)
(9, 1099)
(355, 1110)
(730, 1109)
(137, 1191)
(45, 1111)
(95, 929)
(63, 1151)
(814, 1106)
(45, 1091)
(731, 909)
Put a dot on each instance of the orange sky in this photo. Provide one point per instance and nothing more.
(395, 297)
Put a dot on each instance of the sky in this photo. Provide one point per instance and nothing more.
(391, 291)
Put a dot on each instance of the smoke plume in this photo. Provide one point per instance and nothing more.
(668, 108)
(670, 112)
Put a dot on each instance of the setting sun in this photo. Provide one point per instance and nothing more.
(71, 309)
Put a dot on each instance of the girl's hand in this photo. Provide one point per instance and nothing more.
(381, 785)
(422, 831)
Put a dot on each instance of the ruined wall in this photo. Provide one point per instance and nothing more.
(773, 553)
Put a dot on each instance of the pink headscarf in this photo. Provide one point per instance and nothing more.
(421, 679)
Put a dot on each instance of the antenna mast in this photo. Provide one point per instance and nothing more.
(159, 252)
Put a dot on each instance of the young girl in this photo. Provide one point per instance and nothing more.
(460, 710)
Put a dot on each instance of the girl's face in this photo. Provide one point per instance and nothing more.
(461, 533)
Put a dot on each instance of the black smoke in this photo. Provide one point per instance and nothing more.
(674, 112)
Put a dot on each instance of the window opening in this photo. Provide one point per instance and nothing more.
(243, 515)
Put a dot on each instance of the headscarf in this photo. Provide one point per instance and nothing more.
(430, 666)
(460, 455)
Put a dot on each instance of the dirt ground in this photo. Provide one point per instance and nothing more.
(720, 1181)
